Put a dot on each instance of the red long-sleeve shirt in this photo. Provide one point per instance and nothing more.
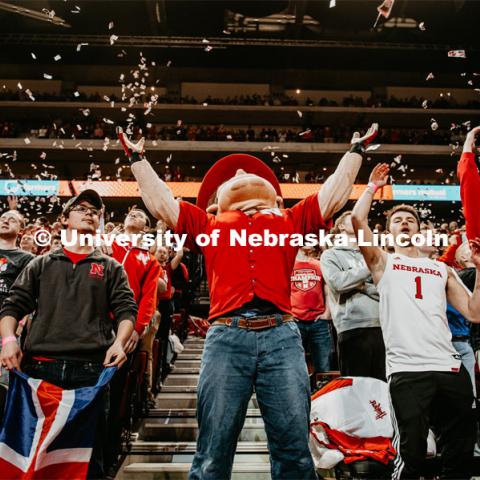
(469, 177)
(143, 271)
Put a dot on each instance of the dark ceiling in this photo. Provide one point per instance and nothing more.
(292, 33)
(446, 21)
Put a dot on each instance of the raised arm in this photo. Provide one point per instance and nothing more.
(156, 194)
(467, 173)
(335, 192)
(457, 293)
(375, 257)
(177, 259)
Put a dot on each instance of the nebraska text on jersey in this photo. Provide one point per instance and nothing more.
(413, 305)
(410, 268)
(305, 278)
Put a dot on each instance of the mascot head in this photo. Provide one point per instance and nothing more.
(239, 182)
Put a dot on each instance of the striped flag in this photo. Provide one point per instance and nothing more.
(48, 432)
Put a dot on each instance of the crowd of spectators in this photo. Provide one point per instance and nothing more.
(99, 130)
(445, 100)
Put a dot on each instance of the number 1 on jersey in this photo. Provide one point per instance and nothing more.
(418, 283)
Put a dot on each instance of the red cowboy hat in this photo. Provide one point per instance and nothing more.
(226, 167)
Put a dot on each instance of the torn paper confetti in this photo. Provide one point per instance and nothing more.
(457, 54)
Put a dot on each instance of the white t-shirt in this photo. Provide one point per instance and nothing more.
(413, 304)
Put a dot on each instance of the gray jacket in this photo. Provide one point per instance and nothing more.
(353, 296)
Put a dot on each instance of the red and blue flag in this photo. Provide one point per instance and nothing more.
(48, 432)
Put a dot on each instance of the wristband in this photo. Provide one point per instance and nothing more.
(357, 148)
(373, 187)
(134, 157)
(9, 339)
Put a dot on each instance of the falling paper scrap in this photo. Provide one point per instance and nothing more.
(457, 54)
(421, 26)
(430, 76)
(425, 104)
(57, 58)
(113, 39)
(332, 3)
(433, 124)
(49, 13)
(384, 10)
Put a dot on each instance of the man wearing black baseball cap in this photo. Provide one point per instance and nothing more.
(86, 328)
(90, 196)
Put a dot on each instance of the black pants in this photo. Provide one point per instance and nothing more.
(165, 307)
(361, 353)
(115, 421)
(69, 375)
(443, 401)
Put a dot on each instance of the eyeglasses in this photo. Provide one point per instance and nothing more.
(82, 209)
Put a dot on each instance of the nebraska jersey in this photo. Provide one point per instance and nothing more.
(413, 317)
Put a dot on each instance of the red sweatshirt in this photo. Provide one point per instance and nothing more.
(469, 177)
(143, 271)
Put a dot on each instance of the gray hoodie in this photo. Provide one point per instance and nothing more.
(353, 296)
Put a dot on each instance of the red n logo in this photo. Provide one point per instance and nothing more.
(96, 270)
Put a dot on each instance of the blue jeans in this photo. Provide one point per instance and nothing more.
(317, 340)
(70, 375)
(468, 360)
(234, 362)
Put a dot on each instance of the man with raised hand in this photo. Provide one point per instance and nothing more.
(253, 341)
(427, 381)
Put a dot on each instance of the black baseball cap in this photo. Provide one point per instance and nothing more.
(90, 196)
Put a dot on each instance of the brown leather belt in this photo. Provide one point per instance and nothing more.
(256, 323)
